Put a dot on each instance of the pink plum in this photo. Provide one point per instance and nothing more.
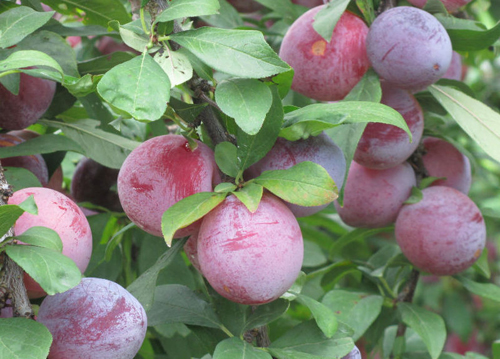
(373, 198)
(107, 45)
(285, 154)
(96, 319)
(250, 258)
(383, 146)
(326, 71)
(442, 159)
(455, 71)
(161, 172)
(58, 212)
(443, 234)
(23, 110)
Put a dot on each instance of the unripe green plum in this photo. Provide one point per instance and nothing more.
(326, 71)
(250, 258)
(161, 172)
(443, 234)
(96, 319)
(373, 198)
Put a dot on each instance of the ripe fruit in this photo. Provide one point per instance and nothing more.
(96, 319)
(308, 3)
(250, 258)
(107, 45)
(285, 154)
(161, 172)
(455, 71)
(245, 6)
(34, 98)
(450, 5)
(326, 71)
(409, 48)
(443, 234)
(384, 146)
(34, 163)
(373, 198)
(442, 159)
(58, 212)
(92, 182)
(191, 250)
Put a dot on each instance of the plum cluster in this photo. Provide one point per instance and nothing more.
(410, 50)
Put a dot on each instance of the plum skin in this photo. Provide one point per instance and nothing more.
(96, 319)
(250, 258)
(384, 146)
(58, 212)
(373, 198)
(409, 48)
(443, 234)
(159, 173)
(318, 149)
(442, 159)
(455, 71)
(23, 110)
(326, 71)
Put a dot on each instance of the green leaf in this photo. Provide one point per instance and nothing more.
(366, 8)
(108, 149)
(175, 303)
(8, 216)
(266, 313)
(39, 145)
(367, 89)
(415, 196)
(481, 266)
(313, 119)
(288, 11)
(227, 18)
(305, 184)
(188, 8)
(55, 272)
(101, 64)
(480, 122)
(246, 100)
(98, 12)
(41, 237)
(143, 288)
(17, 23)
(20, 178)
(28, 58)
(227, 159)
(485, 290)
(235, 348)
(429, 326)
(29, 205)
(176, 66)
(239, 53)
(357, 310)
(326, 19)
(252, 148)
(468, 35)
(297, 286)
(187, 211)
(313, 254)
(225, 187)
(250, 196)
(24, 338)
(201, 69)
(309, 339)
(325, 318)
(83, 86)
(139, 86)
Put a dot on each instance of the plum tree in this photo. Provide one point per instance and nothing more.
(318, 149)
(409, 48)
(34, 98)
(326, 71)
(373, 198)
(161, 172)
(450, 5)
(245, 6)
(58, 212)
(93, 182)
(442, 159)
(455, 71)
(383, 146)
(233, 242)
(443, 234)
(34, 163)
(96, 319)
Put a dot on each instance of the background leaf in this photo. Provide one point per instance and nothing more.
(227, 159)
(41, 237)
(17, 23)
(188, 8)
(326, 19)
(235, 348)
(24, 339)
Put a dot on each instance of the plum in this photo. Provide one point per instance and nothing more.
(384, 146)
(443, 234)
(455, 71)
(450, 5)
(354, 354)
(442, 159)
(285, 154)
(108, 45)
(250, 258)
(96, 319)
(326, 71)
(309, 3)
(373, 198)
(92, 182)
(58, 212)
(23, 110)
(245, 6)
(409, 48)
(159, 173)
